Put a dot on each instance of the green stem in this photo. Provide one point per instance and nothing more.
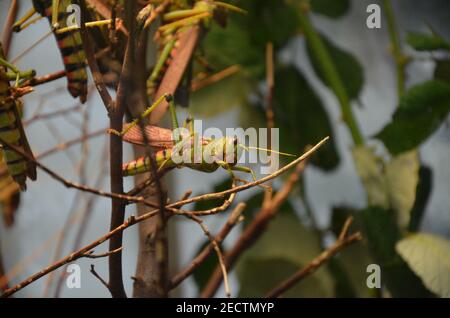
(331, 74)
(399, 58)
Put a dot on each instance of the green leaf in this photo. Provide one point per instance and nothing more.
(330, 8)
(426, 42)
(220, 97)
(423, 192)
(442, 71)
(381, 232)
(429, 257)
(402, 176)
(283, 249)
(370, 169)
(421, 111)
(244, 39)
(349, 69)
(302, 119)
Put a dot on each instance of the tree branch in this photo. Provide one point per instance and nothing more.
(203, 255)
(343, 241)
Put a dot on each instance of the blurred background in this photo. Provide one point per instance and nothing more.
(413, 171)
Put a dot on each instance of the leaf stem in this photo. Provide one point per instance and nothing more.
(400, 59)
(330, 72)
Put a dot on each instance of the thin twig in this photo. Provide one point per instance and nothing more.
(203, 255)
(216, 247)
(343, 241)
(94, 272)
(106, 254)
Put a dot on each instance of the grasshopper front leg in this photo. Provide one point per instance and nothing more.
(230, 169)
(15, 73)
(168, 98)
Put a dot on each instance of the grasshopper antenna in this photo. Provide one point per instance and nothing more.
(268, 150)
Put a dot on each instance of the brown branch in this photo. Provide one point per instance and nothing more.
(36, 81)
(70, 143)
(94, 272)
(132, 220)
(106, 13)
(49, 115)
(199, 84)
(106, 254)
(216, 248)
(83, 223)
(92, 61)
(7, 28)
(116, 112)
(203, 255)
(343, 241)
(155, 13)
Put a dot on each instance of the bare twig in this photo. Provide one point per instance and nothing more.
(70, 143)
(36, 81)
(199, 84)
(56, 113)
(343, 241)
(216, 247)
(203, 255)
(106, 254)
(84, 220)
(155, 13)
(94, 272)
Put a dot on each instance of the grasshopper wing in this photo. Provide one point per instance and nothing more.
(157, 137)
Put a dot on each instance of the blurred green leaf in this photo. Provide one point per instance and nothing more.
(442, 71)
(282, 250)
(349, 69)
(343, 287)
(382, 234)
(302, 119)
(426, 42)
(421, 111)
(423, 192)
(402, 176)
(370, 169)
(220, 97)
(330, 8)
(429, 257)
(244, 39)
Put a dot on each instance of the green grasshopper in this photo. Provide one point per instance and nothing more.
(11, 129)
(179, 40)
(69, 42)
(171, 147)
